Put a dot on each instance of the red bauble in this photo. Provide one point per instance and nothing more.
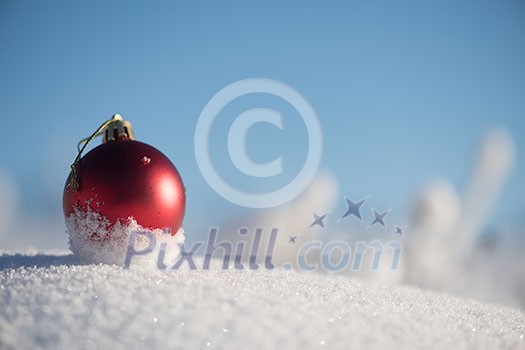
(125, 178)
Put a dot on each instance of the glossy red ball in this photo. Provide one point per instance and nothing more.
(123, 179)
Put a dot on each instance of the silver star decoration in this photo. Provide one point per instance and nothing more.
(353, 208)
(399, 230)
(318, 220)
(292, 238)
(379, 218)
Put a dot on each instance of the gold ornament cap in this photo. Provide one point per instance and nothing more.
(118, 129)
(113, 129)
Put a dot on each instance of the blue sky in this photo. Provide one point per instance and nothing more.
(403, 89)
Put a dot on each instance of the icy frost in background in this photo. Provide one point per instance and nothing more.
(8, 202)
(447, 250)
(443, 246)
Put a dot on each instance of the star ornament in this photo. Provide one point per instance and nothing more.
(318, 220)
(379, 218)
(353, 208)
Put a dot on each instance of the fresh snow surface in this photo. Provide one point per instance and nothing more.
(52, 301)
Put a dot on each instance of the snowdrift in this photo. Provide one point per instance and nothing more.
(52, 301)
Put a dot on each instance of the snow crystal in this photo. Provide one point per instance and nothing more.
(50, 301)
(93, 239)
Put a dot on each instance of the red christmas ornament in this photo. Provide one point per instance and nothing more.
(123, 178)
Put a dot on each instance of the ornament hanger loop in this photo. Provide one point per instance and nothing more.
(120, 128)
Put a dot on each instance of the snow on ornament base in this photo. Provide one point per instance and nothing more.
(93, 239)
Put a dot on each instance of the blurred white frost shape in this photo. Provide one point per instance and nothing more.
(8, 202)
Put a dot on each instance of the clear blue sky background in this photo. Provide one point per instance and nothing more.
(403, 89)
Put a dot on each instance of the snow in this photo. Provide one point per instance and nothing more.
(53, 301)
(56, 300)
(93, 239)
